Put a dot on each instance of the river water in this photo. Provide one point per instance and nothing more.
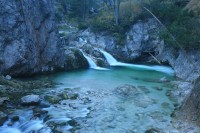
(122, 99)
(113, 112)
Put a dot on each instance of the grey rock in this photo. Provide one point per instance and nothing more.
(8, 77)
(29, 43)
(45, 130)
(3, 99)
(30, 100)
(127, 90)
(164, 79)
(74, 59)
(191, 106)
(3, 118)
(15, 118)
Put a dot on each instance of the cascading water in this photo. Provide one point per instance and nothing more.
(24, 125)
(113, 62)
(92, 63)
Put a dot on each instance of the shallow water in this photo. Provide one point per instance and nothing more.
(115, 113)
(106, 111)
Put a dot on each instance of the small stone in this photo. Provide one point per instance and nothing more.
(164, 79)
(152, 130)
(72, 123)
(30, 100)
(8, 77)
(15, 118)
(165, 105)
(158, 88)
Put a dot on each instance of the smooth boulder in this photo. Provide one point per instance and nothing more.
(30, 100)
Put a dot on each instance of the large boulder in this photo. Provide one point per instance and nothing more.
(75, 59)
(28, 39)
(30, 100)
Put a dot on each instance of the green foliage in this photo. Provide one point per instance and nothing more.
(130, 12)
(181, 24)
(182, 21)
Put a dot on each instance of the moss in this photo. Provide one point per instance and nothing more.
(52, 99)
(63, 96)
(15, 89)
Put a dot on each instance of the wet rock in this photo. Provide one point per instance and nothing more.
(3, 100)
(144, 89)
(3, 118)
(73, 123)
(45, 130)
(153, 130)
(38, 112)
(158, 88)
(30, 100)
(8, 77)
(75, 59)
(63, 96)
(15, 118)
(44, 104)
(52, 99)
(73, 96)
(127, 90)
(163, 80)
(165, 105)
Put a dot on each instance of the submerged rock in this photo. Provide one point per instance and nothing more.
(45, 130)
(153, 130)
(30, 100)
(164, 79)
(15, 118)
(3, 118)
(127, 90)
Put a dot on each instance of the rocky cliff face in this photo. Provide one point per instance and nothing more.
(28, 39)
(143, 40)
(190, 109)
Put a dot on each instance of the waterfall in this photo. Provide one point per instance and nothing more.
(113, 62)
(90, 61)
(92, 64)
(110, 59)
(22, 126)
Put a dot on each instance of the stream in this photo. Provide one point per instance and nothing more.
(125, 98)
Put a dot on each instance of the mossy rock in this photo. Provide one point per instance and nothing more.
(52, 99)
(152, 130)
(63, 96)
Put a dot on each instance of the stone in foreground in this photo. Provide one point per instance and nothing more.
(30, 100)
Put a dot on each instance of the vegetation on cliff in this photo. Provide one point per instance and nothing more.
(179, 18)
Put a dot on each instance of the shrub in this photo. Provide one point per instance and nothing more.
(181, 24)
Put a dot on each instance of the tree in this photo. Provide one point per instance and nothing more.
(116, 11)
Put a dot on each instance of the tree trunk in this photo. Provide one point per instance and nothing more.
(116, 11)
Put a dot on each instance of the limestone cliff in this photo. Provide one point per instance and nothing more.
(28, 39)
